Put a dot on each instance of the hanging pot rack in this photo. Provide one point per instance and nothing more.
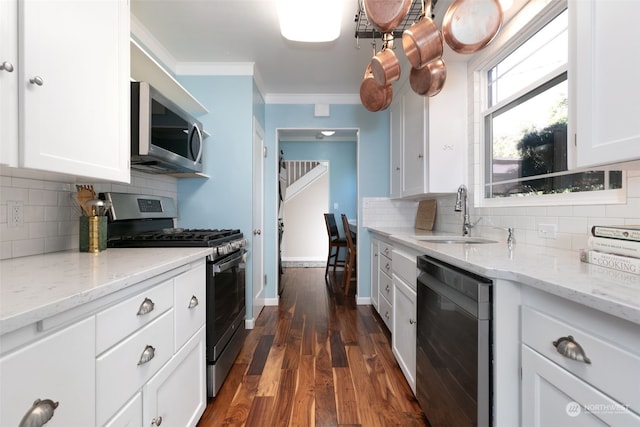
(364, 29)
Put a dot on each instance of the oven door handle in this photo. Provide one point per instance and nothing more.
(229, 263)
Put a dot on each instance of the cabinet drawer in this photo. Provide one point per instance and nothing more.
(386, 265)
(386, 288)
(551, 396)
(189, 303)
(613, 369)
(59, 367)
(119, 321)
(405, 267)
(386, 250)
(120, 371)
(385, 312)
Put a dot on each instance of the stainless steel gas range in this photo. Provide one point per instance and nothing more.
(137, 220)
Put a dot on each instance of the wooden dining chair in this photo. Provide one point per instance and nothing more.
(350, 260)
(335, 243)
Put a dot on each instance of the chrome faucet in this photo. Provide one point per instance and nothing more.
(462, 205)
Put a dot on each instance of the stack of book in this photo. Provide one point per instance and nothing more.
(614, 246)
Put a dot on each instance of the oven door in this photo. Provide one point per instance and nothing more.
(225, 301)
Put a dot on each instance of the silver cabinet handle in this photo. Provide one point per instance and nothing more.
(148, 354)
(570, 349)
(387, 267)
(156, 421)
(39, 414)
(386, 314)
(37, 80)
(6, 66)
(194, 302)
(386, 288)
(146, 307)
(411, 321)
(386, 251)
(420, 156)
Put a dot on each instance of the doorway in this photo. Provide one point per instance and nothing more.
(340, 152)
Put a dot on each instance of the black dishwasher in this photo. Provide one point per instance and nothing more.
(453, 353)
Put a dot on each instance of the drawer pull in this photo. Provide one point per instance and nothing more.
(412, 322)
(148, 354)
(146, 307)
(387, 267)
(567, 347)
(156, 421)
(386, 251)
(39, 414)
(194, 302)
(386, 315)
(387, 289)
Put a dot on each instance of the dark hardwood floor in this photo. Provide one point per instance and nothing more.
(317, 359)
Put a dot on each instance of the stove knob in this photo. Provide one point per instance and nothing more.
(222, 250)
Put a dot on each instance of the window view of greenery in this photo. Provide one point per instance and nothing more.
(526, 122)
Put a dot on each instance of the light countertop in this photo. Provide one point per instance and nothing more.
(557, 271)
(36, 287)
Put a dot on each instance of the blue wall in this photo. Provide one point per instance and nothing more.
(342, 158)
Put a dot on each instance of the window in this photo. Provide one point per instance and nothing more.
(525, 121)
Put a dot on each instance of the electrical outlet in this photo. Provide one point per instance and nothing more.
(547, 231)
(15, 213)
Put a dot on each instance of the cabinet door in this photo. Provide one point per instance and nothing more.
(375, 256)
(74, 87)
(403, 334)
(551, 396)
(395, 152)
(414, 151)
(177, 395)
(9, 82)
(606, 87)
(61, 368)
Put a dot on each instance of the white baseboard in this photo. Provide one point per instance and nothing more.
(271, 301)
(249, 323)
(363, 300)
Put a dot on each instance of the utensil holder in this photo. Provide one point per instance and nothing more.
(93, 233)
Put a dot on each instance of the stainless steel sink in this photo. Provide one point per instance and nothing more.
(453, 239)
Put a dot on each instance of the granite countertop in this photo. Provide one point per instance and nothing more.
(36, 287)
(556, 271)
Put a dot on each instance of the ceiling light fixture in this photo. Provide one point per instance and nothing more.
(328, 132)
(310, 20)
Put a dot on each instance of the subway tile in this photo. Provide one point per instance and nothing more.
(27, 247)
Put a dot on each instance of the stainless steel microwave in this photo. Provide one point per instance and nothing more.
(164, 137)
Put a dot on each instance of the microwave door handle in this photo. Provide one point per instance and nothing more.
(197, 130)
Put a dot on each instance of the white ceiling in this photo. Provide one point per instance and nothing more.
(247, 31)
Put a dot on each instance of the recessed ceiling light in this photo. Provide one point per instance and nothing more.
(310, 20)
(328, 132)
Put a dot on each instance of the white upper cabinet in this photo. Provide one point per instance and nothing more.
(9, 82)
(73, 85)
(604, 68)
(429, 138)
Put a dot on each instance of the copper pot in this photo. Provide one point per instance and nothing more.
(386, 15)
(373, 96)
(422, 42)
(428, 80)
(470, 25)
(385, 67)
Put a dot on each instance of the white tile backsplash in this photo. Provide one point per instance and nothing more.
(50, 212)
(574, 222)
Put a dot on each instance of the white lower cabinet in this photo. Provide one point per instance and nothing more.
(176, 395)
(58, 369)
(130, 415)
(580, 367)
(157, 354)
(403, 335)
